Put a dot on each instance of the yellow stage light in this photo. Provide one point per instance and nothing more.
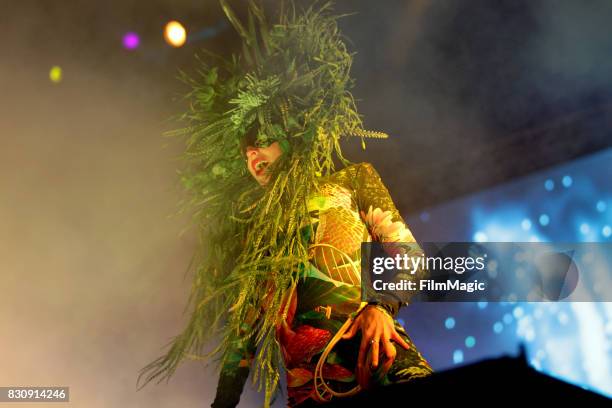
(55, 74)
(175, 34)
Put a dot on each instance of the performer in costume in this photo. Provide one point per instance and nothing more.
(277, 280)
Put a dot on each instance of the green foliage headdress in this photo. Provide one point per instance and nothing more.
(291, 85)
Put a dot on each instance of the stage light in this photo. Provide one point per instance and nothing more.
(131, 41)
(601, 206)
(584, 228)
(566, 181)
(606, 231)
(536, 364)
(526, 224)
(480, 237)
(470, 341)
(544, 220)
(549, 185)
(482, 304)
(507, 318)
(518, 312)
(55, 74)
(175, 34)
(492, 269)
(457, 356)
(498, 327)
(449, 323)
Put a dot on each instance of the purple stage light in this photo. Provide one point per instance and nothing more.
(131, 41)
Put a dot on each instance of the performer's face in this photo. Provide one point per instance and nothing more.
(259, 158)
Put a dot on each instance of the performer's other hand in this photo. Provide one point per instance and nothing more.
(377, 329)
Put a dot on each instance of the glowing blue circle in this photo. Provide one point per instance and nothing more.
(526, 224)
(480, 236)
(566, 181)
(470, 341)
(449, 323)
(498, 327)
(518, 312)
(606, 231)
(584, 228)
(507, 318)
(482, 304)
(457, 356)
(601, 206)
(544, 220)
(549, 185)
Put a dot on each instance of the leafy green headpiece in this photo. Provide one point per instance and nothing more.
(292, 85)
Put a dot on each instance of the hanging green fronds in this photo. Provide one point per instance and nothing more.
(291, 85)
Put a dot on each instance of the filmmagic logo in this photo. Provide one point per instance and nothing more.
(428, 284)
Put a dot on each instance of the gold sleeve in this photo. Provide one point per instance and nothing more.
(382, 218)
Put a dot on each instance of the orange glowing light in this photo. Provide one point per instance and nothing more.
(175, 34)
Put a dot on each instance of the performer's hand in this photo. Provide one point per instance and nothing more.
(376, 328)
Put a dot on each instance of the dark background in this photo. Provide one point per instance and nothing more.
(473, 93)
